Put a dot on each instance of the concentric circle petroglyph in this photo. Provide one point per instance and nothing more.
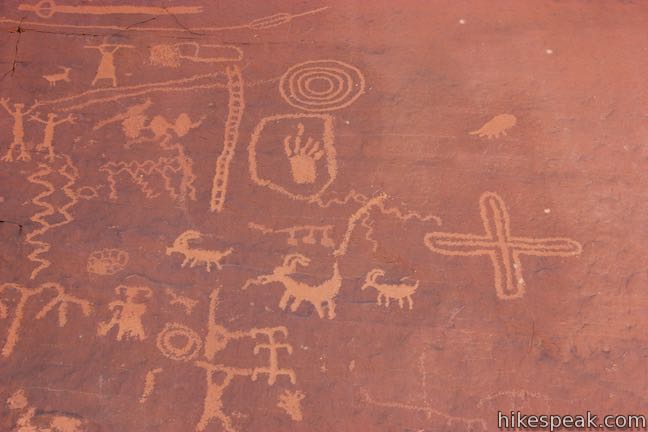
(189, 345)
(322, 85)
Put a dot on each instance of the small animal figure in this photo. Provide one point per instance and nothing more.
(195, 257)
(34, 420)
(323, 294)
(389, 292)
(58, 77)
(496, 126)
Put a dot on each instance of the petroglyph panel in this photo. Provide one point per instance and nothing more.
(320, 216)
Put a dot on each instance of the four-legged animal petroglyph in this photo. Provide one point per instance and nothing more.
(127, 313)
(389, 292)
(503, 248)
(58, 77)
(48, 137)
(318, 296)
(195, 256)
(496, 126)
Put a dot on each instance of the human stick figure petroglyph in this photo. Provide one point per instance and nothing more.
(263, 23)
(318, 296)
(64, 76)
(18, 113)
(47, 9)
(50, 123)
(426, 407)
(194, 256)
(322, 85)
(127, 313)
(106, 69)
(496, 126)
(180, 343)
(61, 299)
(503, 249)
(389, 292)
(235, 109)
(308, 236)
(107, 262)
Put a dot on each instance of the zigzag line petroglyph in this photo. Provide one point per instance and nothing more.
(293, 233)
(235, 108)
(61, 299)
(257, 24)
(71, 174)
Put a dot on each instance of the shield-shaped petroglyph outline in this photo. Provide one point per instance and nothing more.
(328, 143)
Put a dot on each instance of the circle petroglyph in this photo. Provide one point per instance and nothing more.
(178, 342)
(322, 85)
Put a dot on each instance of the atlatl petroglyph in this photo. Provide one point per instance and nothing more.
(307, 234)
(50, 123)
(322, 85)
(18, 113)
(496, 126)
(47, 9)
(172, 55)
(63, 76)
(318, 296)
(106, 69)
(426, 407)
(61, 299)
(235, 109)
(503, 249)
(303, 156)
(290, 402)
(388, 292)
(176, 299)
(32, 419)
(195, 256)
(107, 262)
(127, 313)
